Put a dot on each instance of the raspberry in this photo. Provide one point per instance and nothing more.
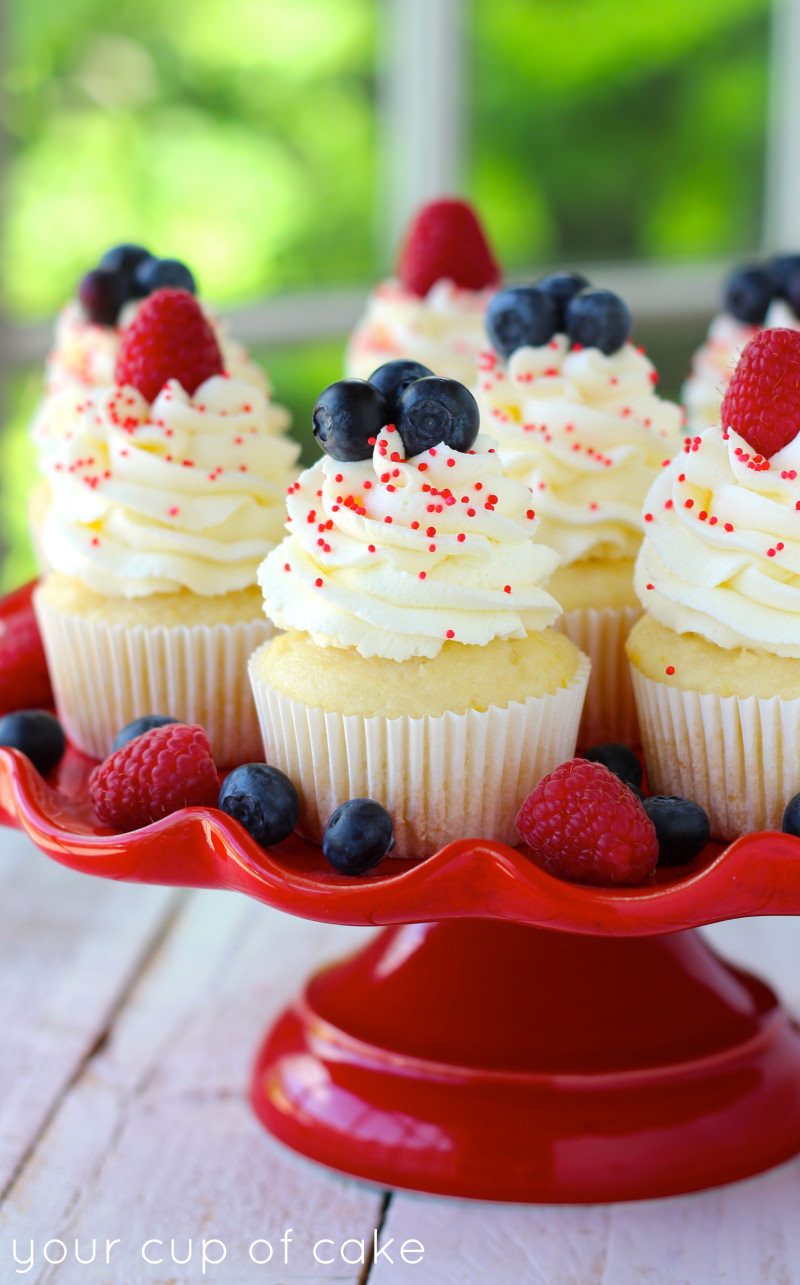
(446, 240)
(169, 338)
(763, 397)
(160, 772)
(583, 823)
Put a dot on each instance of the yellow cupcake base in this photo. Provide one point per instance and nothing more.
(460, 678)
(113, 660)
(738, 755)
(441, 776)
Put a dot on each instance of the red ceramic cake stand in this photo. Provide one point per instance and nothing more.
(508, 1036)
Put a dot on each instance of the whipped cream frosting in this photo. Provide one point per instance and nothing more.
(721, 554)
(715, 361)
(185, 494)
(444, 330)
(586, 432)
(83, 357)
(396, 556)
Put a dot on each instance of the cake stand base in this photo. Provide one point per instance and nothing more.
(493, 1060)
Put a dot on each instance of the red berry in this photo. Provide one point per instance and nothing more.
(169, 338)
(762, 400)
(24, 680)
(160, 772)
(583, 823)
(446, 240)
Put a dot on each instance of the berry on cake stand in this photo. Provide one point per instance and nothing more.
(510, 1035)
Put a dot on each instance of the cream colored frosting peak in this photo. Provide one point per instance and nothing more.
(444, 330)
(721, 555)
(396, 556)
(587, 433)
(185, 494)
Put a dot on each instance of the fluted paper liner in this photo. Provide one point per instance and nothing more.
(442, 778)
(737, 756)
(105, 675)
(609, 713)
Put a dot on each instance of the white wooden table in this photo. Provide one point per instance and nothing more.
(128, 1020)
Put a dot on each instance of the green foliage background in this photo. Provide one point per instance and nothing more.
(243, 136)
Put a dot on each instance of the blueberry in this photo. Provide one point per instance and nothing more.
(682, 828)
(620, 760)
(138, 728)
(748, 294)
(598, 319)
(394, 377)
(123, 261)
(791, 291)
(346, 415)
(358, 836)
(100, 296)
(433, 410)
(158, 274)
(782, 269)
(521, 317)
(36, 733)
(791, 816)
(263, 799)
(562, 287)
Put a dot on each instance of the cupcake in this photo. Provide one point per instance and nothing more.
(433, 311)
(418, 667)
(756, 297)
(86, 346)
(572, 406)
(716, 656)
(167, 495)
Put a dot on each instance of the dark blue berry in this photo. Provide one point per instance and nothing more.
(791, 817)
(562, 287)
(37, 734)
(682, 828)
(598, 319)
(346, 415)
(748, 294)
(124, 261)
(138, 728)
(521, 317)
(123, 258)
(394, 377)
(791, 292)
(263, 799)
(782, 269)
(100, 296)
(434, 410)
(358, 836)
(160, 274)
(619, 759)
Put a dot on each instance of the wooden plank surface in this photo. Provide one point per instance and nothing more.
(130, 1019)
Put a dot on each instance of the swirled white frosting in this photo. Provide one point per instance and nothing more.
(83, 358)
(587, 433)
(715, 361)
(721, 554)
(185, 494)
(396, 556)
(444, 330)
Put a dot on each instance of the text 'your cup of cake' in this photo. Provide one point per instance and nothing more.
(167, 492)
(419, 667)
(716, 656)
(571, 403)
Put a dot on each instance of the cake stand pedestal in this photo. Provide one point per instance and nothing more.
(509, 1036)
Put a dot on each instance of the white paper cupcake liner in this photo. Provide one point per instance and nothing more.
(105, 675)
(448, 777)
(609, 713)
(737, 756)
